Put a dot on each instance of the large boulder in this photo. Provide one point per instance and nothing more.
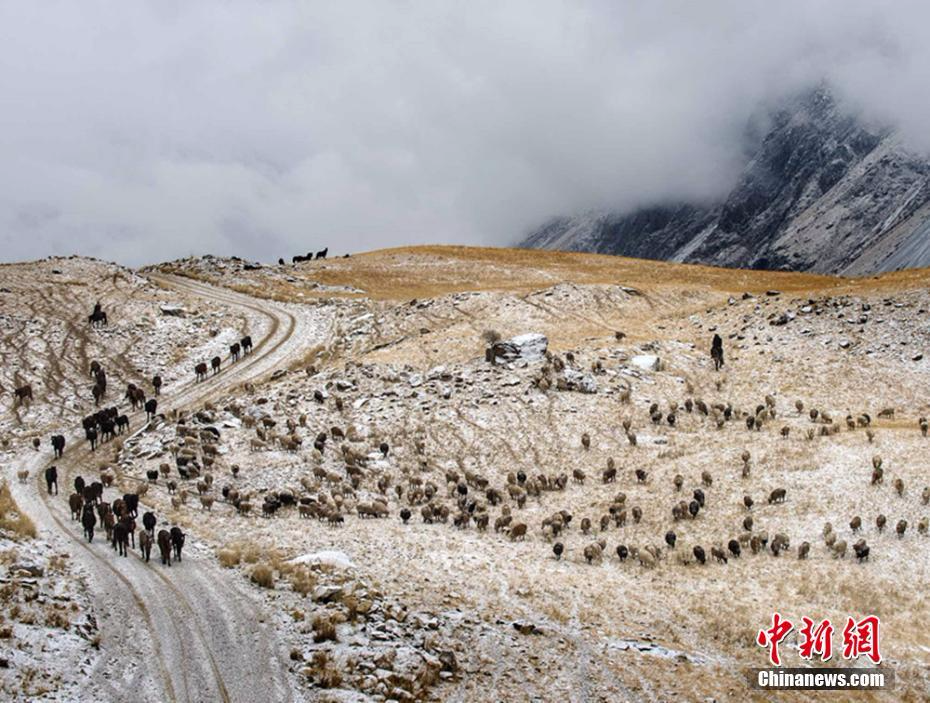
(647, 362)
(527, 347)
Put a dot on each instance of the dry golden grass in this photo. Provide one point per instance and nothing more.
(263, 575)
(11, 519)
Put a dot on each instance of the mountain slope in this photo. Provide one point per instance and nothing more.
(822, 192)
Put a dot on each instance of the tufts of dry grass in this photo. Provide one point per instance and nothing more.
(263, 575)
(11, 519)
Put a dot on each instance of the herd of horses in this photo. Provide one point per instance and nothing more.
(119, 520)
(87, 505)
(236, 350)
(308, 257)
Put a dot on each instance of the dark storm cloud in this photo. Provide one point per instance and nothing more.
(144, 131)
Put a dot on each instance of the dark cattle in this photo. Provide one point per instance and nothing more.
(156, 384)
(89, 422)
(177, 541)
(145, 545)
(79, 484)
(122, 423)
(95, 368)
(97, 391)
(23, 393)
(76, 503)
(164, 546)
(246, 343)
(151, 407)
(201, 371)
(148, 522)
(58, 445)
(322, 254)
(51, 479)
(215, 364)
(234, 351)
(89, 521)
(152, 475)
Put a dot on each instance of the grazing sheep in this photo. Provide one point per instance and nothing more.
(748, 502)
(862, 551)
(605, 523)
(405, 515)
(901, 528)
(803, 550)
(777, 496)
(679, 481)
(557, 550)
(839, 549)
(585, 526)
(670, 539)
(637, 514)
(899, 486)
(718, 554)
(925, 495)
(586, 440)
(707, 479)
(747, 523)
(23, 475)
(207, 502)
(593, 552)
(699, 554)
(855, 524)
(609, 475)
(880, 522)
(578, 476)
(518, 531)
(733, 546)
(779, 544)
(647, 559)
(641, 476)
(622, 552)
(923, 525)
(699, 496)
(693, 508)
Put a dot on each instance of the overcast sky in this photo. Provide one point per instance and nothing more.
(143, 131)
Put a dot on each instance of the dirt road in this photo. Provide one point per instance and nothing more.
(183, 633)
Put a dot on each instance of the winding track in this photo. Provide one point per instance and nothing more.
(186, 633)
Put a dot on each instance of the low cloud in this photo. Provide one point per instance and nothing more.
(146, 131)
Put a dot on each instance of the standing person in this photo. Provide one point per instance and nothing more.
(716, 352)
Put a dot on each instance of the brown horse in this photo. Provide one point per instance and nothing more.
(164, 546)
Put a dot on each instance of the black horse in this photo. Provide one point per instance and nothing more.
(58, 445)
(51, 479)
(89, 521)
